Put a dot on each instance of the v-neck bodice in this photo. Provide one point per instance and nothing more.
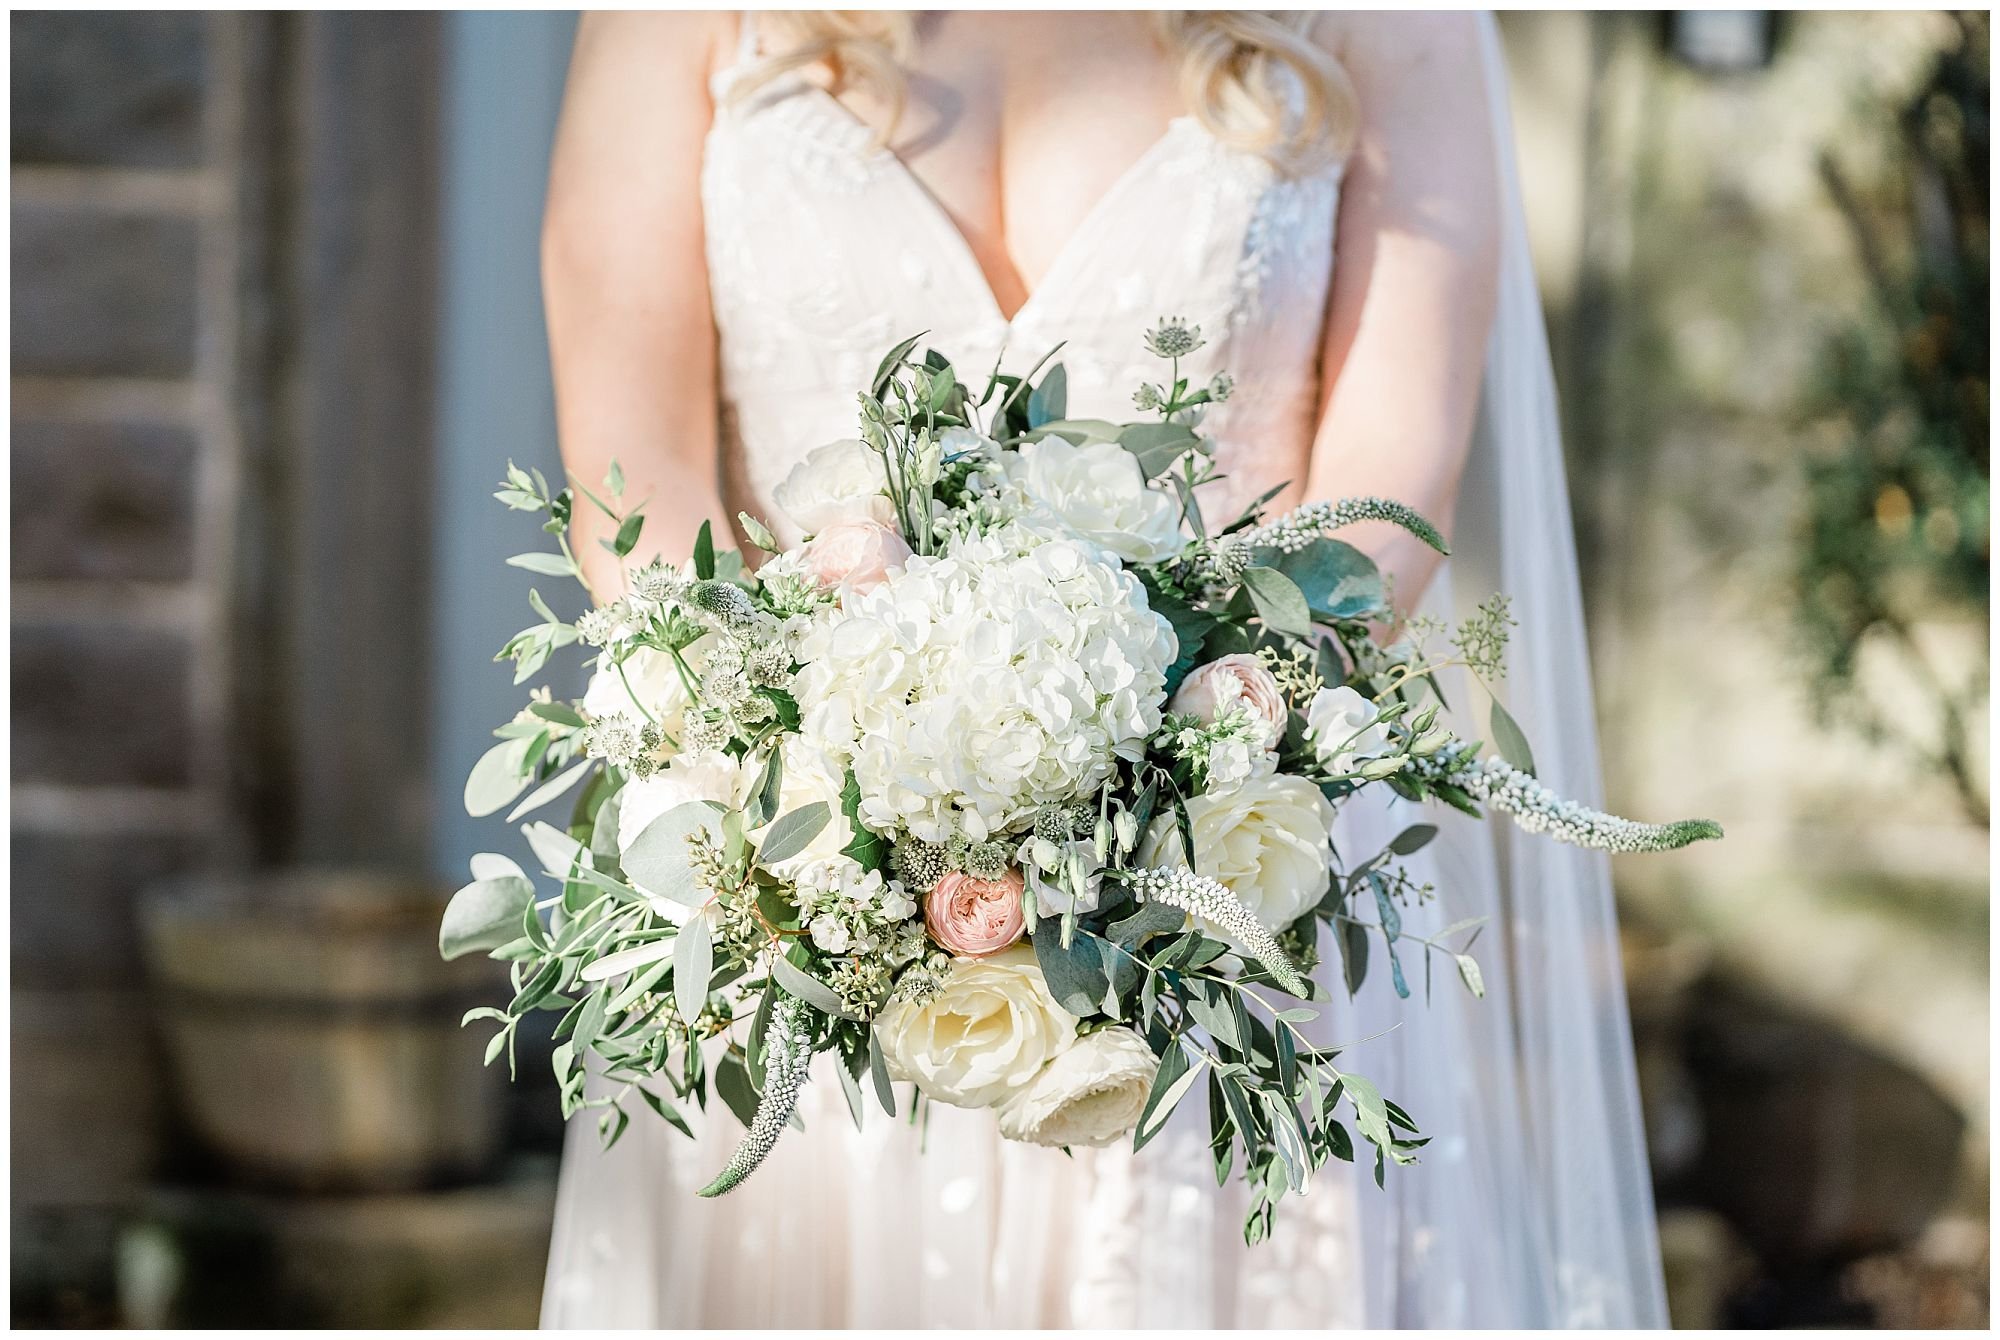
(824, 249)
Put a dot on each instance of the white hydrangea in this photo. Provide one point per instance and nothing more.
(971, 688)
(1095, 492)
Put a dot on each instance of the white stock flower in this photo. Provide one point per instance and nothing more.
(841, 481)
(971, 688)
(983, 1037)
(1266, 841)
(1096, 492)
(1091, 1094)
(1342, 730)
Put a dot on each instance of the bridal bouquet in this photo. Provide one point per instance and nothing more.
(1015, 781)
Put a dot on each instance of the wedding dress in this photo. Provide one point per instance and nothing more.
(1531, 1206)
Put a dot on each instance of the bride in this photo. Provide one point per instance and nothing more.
(743, 214)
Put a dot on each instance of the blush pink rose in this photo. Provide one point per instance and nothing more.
(1236, 680)
(855, 554)
(975, 917)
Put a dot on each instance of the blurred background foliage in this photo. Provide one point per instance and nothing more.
(274, 294)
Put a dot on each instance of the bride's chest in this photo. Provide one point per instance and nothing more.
(825, 247)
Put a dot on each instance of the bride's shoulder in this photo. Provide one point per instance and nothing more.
(1401, 41)
(656, 44)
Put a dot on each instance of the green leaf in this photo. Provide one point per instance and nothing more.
(485, 914)
(1078, 431)
(878, 1070)
(667, 1111)
(556, 850)
(657, 860)
(552, 788)
(1280, 603)
(1413, 839)
(694, 961)
(549, 565)
(497, 777)
(733, 1086)
(764, 799)
(1337, 580)
(1509, 739)
(1076, 976)
(1353, 942)
(614, 479)
(807, 987)
(792, 833)
(1151, 919)
(704, 553)
(1047, 402)
(1468, 970)
(1170, 1083)
(865, 848)
(628, 534)
(890, 362)
(624, 960)
(560, 713)
(1371, 1114)
(1156, 446)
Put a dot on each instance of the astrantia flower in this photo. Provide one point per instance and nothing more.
(645, 686)
(972, 688)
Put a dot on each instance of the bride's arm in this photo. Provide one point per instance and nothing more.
(625, 281)
(1414, 281)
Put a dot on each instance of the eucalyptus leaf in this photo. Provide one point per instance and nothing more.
(624, 960)
(878, 1071)
(1075, 975)
(1510, 740)
(807, 987)
(793, 832)
(485, 914)
(498, 776)
(764, 799)
(1337, 580)
(492, 865)
(1413, 839)
(657, 860)
(628, 534)
(1047, 401)
(549, 565)
(1279, 602)
(555, 849)
(1468, 970)
(694, 961)
(1156, 446)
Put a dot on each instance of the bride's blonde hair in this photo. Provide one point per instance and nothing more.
(1232, 64)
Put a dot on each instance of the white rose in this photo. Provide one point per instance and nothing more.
(1097, 492)
(841, 481)
(712, 775)
(1342, 730)
(1266, 840)
(982, 1038)
(646, 687)
(1091, 1094)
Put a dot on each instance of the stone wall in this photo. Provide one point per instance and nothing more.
(199, 521)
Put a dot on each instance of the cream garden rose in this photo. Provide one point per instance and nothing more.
(1267, 840)
(712, 775)
(858, 555)
(1096, 492)
(1090, 1094)
(1235, 681)
(983, 1037)
(839, 482)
